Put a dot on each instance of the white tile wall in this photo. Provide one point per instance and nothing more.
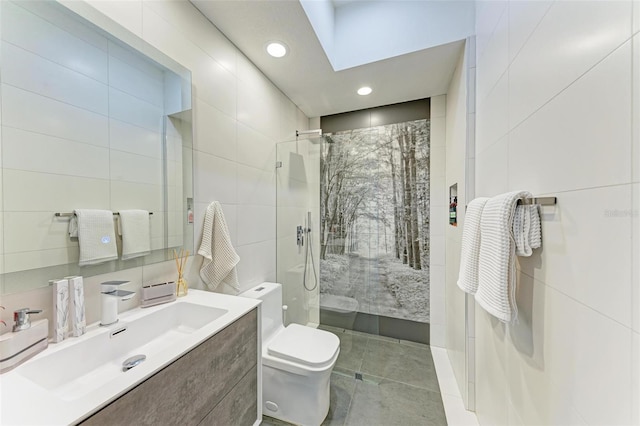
(147, 85)
(136, 140)
(215, 179)
(561, 262)
(31, 191)
(29, 111)
(635, 377)
(572, 111)
(492, 168)
(493, 61)
(36, 74)
(215, 132)
(130, 109)
(635, 254)
(524, 17)
(37, 152)
(74, 47)
(602, 127)
(492, 115)
(570, 39)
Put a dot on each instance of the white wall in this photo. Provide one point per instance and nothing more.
(456, 146)
(557, 114)
(239, 115)
(439, 217)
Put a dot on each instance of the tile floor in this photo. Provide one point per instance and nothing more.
(398, 387)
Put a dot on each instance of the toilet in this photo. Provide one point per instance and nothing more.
(296, 363)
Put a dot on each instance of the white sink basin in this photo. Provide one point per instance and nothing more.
(76, 370)
(70, 380)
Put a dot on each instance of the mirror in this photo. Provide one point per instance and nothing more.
(92, 117)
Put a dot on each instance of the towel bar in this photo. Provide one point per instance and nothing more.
(543, 201)
(72, 214)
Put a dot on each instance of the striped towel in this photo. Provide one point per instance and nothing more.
(469, 255)
(219, 257)
(496, 273)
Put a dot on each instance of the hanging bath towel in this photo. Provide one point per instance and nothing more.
(527, 230)
(219, 257)
(470, 253)
(96, 236)
(496, 272)
(135, 228)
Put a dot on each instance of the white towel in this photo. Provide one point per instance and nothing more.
(526, 229)
(219, 257)
(134, 226)
(469, 255)
(96, 236)
(496, 273)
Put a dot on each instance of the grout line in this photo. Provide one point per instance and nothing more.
(553, 288)
(569, 85)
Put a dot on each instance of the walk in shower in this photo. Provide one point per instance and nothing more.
(353, 229)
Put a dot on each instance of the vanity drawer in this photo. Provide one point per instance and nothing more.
(190, 388)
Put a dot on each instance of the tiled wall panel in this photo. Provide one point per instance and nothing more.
(571, 106)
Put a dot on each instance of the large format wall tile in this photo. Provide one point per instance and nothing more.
(52, 80)
(572, 132)
(34, 191)
(577, 268)
(30, 111)
(76, 47)
(574, 128)
(148, 86)
(494, 59)
(215, 132)
(524, 17)
(571, 38)
(37, 152)
(215, 179)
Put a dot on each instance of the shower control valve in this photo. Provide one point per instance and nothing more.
(299, 236)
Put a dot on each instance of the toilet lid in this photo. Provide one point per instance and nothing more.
(304, 345)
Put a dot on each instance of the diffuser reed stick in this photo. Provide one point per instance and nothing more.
(181, 261)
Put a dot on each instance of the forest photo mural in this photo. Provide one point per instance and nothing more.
(375, 218)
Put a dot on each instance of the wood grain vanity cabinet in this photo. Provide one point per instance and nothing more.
(213, 384)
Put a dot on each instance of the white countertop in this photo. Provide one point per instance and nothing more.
(24, 402)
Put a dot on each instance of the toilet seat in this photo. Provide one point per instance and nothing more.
(305, 346)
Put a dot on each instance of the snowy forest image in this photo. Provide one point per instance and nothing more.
(374, 228)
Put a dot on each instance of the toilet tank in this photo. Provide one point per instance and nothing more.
(271, 296)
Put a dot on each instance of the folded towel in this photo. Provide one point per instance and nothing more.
(469, 255)
(526, 229)
(96, 236)
(219, 257)
(134, 227)
(496, 272)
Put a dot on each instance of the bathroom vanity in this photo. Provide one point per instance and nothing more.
(200, 368)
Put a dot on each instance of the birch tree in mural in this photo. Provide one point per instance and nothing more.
(375, 218)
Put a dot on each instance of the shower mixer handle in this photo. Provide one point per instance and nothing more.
(299, 236)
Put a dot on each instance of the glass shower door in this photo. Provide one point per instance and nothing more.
(297, 227)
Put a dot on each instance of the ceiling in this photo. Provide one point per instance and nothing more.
(306, 75)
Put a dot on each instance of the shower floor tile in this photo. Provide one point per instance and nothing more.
(396, 384)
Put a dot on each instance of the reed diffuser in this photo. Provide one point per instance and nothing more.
(181, 260)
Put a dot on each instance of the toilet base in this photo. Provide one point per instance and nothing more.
(302, 400)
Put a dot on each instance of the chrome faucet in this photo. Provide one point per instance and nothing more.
(109, 299)
(21, 318)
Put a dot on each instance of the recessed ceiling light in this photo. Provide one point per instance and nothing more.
(363, 91)
(276, 49)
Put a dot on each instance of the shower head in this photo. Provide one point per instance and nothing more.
(315, 132)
